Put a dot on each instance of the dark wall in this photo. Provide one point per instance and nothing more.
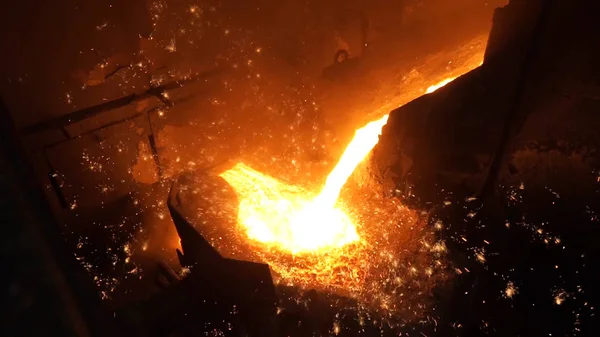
(48, 44)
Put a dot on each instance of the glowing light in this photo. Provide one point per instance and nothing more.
(171, 47)
(275, 213)
(560, 297)
(442, 84)
(288, 217)
(510, 290)
(363, 142)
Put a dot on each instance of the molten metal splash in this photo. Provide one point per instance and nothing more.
(287, 216)
(290, 218)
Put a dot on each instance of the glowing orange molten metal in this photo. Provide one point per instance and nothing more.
(439, 85)
(292, 219)
(287, 216)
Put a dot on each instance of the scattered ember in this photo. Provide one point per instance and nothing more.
(560, 297)
(510, 290)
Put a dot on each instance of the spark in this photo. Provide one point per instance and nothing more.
(102, 26)
(184, 271)
(480, 256)
(336, 328)
(560, 297)
(439, 247)
(510, 290)
(171, 47)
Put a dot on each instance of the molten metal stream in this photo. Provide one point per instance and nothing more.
(363, 142)
(288, 217)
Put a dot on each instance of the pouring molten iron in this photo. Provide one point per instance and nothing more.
(288, 217)
(314, 241)
(367, 248)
